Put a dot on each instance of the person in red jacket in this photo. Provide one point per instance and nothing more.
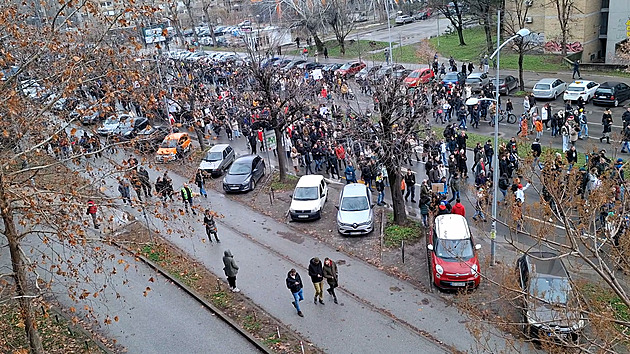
(340, 152)
(91, 211)
(459, 208)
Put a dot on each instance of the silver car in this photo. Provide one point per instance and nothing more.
(478, 81)
(549, 88)
(355, 215)
(218, 159)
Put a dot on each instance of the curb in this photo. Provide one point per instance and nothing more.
(220, 314)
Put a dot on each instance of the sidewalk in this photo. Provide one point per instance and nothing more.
(373, 305)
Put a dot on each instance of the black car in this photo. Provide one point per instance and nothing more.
(148, 139)
(313, 66)
(550, 306)
(332, 67)
(506, 84)
(128, 128)
(244, 173)
(611, 93)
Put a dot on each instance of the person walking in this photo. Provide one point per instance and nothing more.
(410, 183)
(458, 208)
(576, 69)
(211, 226)
(91, 211)
(123, 188)
(325, 53)
(607, 122)
(187, 198)
(332, 277)
(294, 283)
(200, 183)
(143, 176)
(351, 175)
(316, 272)
(380, 187)
(231, 269)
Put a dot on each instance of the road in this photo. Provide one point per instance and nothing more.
(166, 320)
(406, 34)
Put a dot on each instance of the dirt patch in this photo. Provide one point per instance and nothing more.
(238, 307)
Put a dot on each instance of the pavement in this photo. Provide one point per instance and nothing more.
(163, 319)
(266, 249)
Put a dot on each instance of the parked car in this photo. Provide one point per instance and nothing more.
(244, 173)
(549, 303)
(611, 92)
(293, 64)
(506, 84)
(477, 81)
(148, 139)
(309, 197)
(549, 88)
(282, 63)
(268, 62)
(386, 71)
(350, 69)
(128, 128)
(422, 15)
(355, 212)
(401, 73)
(581, 88)
(454, 261)
(332, 67)
(313, 66)
(453, 78)
(89, 114)
(403, 19)
(419, 76)
(367, 73)
(174, 146)
(111, 123)
(218, 159)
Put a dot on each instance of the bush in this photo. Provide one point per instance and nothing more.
(395, 234)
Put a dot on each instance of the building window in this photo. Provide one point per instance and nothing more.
(605, 4)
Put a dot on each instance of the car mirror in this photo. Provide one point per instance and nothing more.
(430, 247)
(372, 206)
(477, 247)
(337, 206)
(291, 196)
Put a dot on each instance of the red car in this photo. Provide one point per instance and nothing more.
(454, 261)
(419, 76)
(350, 69)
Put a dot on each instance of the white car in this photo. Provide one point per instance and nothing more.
(355, 213)
(309, 197)
(549, 88)
(581, 88)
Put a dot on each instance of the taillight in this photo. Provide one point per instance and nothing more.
(612, 97)
(456, 82)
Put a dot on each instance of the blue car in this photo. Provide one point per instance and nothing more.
(453, 78)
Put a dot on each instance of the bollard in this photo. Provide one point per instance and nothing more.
(302, 346)
(403, 250)
(218, 284)
(278, 330)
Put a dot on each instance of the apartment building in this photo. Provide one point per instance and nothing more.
(615, 27)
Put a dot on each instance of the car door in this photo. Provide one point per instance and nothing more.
(623, 91)
(259, 167)
(323, 194)
(255, 168)
(513, 83)
(230, 157)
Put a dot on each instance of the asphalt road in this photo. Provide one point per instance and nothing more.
(406, 34)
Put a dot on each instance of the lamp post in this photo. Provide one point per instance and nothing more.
(523, 32)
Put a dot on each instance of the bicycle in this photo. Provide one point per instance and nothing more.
(503, 115)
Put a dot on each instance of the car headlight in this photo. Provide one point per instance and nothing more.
(224, 181)
(247, 180)
(579, 325)
(439, 269)
(314, 210)
(473, 270)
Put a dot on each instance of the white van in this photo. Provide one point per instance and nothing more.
(308, 198)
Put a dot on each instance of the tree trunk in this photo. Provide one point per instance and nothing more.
(398, 203)
(460, 34)
(318, 42)
(564, 41)
(210, 26)
(201, 137)
(488, 30)
(282, 161)
(19, 274)
(192, 22)
(520, 69)
(342, 46)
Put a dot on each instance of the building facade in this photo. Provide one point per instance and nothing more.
(615, 27)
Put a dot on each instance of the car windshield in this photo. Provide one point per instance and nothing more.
(111, 121)
(604, 90)
(346, 66)
(305, 193)
(354, 204)
(414, 74)
(554, 290)
(542, 87)
(576, 88)
(454, 249)
(450, 76)
(214, 156)
(169, 144)
(240, 168)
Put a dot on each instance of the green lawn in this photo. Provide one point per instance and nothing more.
(354, 49)
(475, 48)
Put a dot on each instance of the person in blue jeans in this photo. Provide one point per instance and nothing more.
(380, 187)
(294, 283)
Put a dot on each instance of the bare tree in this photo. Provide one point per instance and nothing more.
(339, 17)
(453, 14)
(188, 5)
(205, 6)
(513, 21)
(309, 15)
(565, 11)
(483, 10)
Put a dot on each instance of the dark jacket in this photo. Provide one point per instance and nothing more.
(230, 268)
(294, 284)
(330, 273)
(315, 270)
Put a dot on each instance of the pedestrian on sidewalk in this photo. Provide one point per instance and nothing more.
(410, 182)
(607, 122)
(91, 211)
(351, 175)
(459, 208)
(123, 188)
(536, 152)
(325, 53)
(231, 269)
(294, 283)
(380, 187)
(211, 226)
(576, 69)
(200, 183)
(143, 175)
(187, 198)
(332, 277)
(316, 272)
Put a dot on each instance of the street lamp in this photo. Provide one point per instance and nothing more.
(523, 32)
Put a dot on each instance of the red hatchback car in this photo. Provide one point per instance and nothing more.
(419, 76)
(454, 261)
(350, 69)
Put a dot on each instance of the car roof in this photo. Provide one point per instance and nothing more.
(451, 227)
(246, 158)
(610, 84)
(547, 80)
(473, 75)
(309, 180)
(218, 147)
(354, 190)
(580, 83)
(546, 263)
(174, 136)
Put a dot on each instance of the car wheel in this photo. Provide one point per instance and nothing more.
(616, 103)
(575, 338)
(252, 185)
(555, 95)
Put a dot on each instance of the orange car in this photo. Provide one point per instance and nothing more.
(419, 76)
(174, 146)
